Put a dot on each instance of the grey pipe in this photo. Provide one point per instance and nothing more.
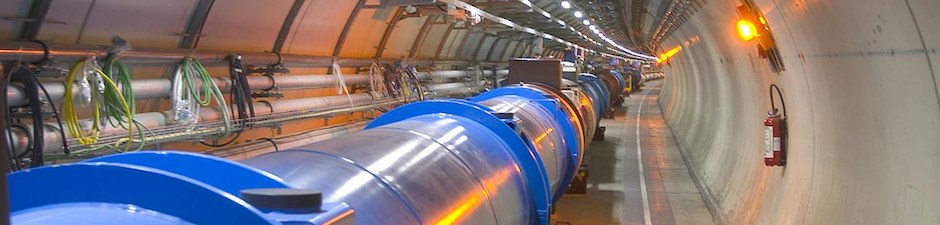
(445, 89)
(255, 148)
(208, 114)
(31, 51)
(53, 138)
(160, 88)
(447, 74)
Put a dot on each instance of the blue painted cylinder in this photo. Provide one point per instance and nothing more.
(621, 82)
(595, 90)
(546, 126)
(503, 157)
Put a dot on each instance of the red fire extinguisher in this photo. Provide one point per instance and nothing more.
(775, 132)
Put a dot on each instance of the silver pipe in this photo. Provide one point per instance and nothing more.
(445, 89)
(53, 138)
(448, 74)
(255, 148)
(31, 52)
(160, 88)
(445, 86)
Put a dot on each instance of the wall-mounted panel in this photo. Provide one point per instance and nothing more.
(246, 25)
(318, 27)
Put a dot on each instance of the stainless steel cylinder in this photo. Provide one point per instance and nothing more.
(431, 169)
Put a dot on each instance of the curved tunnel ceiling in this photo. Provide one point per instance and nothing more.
(365, 28)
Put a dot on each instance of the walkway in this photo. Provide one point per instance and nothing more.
(617, 189)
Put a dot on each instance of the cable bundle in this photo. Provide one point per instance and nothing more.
(377, 83)
(407, 76)
(114, 69)
(241, 90)
(419, 87)
(99, 92)
(193, 87)
(32, 86)
(341, 82)
(392, 80)
(241, 97)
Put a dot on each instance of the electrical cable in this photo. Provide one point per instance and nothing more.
(115, 69)
(410, 77)
(276, 148)
(241, 97)
(376, 80)
(188, 97)
(341, 82)
(782, 103)
(104, 94)
(391, 79)
(55, 112)
(419, 86)
(32, 87)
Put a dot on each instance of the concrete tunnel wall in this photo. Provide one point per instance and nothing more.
(864, 114)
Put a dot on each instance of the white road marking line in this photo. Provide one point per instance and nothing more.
(639, 158)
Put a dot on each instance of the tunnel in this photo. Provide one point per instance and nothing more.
(535, 112)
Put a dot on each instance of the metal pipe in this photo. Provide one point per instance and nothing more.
(31, 51)
(448, 86)
(448, 74)
(444, 89)
(255, 148)
(207, 115)
(160, 88)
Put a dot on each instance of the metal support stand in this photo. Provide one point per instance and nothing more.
(599, 134)
(578, 186)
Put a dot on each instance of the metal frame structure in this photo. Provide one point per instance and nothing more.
(288, 24)
(190, 39)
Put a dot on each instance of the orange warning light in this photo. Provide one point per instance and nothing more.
(746, 30)
(668, 54)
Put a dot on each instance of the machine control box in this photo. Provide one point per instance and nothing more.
(530, 70)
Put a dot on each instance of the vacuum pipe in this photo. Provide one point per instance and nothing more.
(32, 52)
(160, 88)
(53, 137)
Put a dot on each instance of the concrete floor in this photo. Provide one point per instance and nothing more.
(616, 194)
